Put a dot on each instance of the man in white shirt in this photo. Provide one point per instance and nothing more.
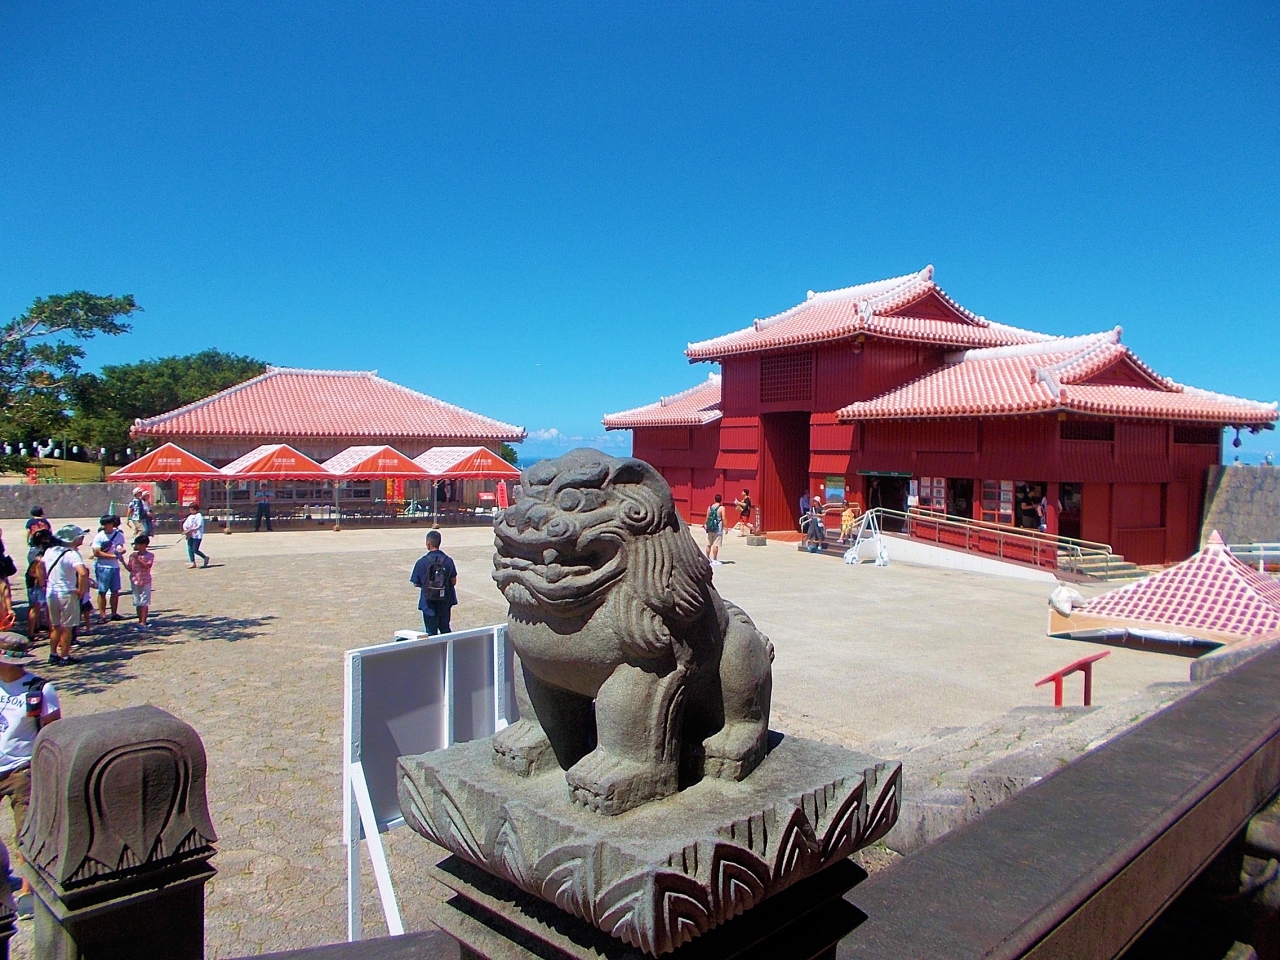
(66, 584)
(108, 548)
(27, 704)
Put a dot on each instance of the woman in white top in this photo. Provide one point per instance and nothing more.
(193, 529)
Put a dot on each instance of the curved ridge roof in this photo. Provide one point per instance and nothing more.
(695, 407)
(291, 402)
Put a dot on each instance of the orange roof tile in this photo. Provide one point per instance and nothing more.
(1051, 376)
(1210, 592)
(285, 402)
(878, 309)
(694, 407)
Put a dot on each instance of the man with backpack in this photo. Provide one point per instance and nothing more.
(715, 530)
(435, 576)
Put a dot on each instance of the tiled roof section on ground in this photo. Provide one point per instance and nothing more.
(1211, 591)
(1052, 376)
(879, 309)
(285, 402)
(694, 407)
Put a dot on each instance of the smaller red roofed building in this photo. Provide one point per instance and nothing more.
(321, 413)
(891, 394)
(1210, 595)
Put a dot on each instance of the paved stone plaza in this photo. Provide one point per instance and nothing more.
(250, 653)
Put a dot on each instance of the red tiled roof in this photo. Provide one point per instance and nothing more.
(372, 463)
(286, 402)
(1039, 378)
(694, 407)
(878, 309)
(1210, 592)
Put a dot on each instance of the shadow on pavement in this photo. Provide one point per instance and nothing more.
(104, 655)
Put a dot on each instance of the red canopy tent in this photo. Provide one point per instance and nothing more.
(168, 462)
(464, 463)
(374, 463)
(275, 461)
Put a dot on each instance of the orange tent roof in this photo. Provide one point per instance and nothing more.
(466, 463)
(167, 462)
(275, 461)
(373, 463)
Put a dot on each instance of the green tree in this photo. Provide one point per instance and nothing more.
(40, 360)
(508, 453)
(105, 405)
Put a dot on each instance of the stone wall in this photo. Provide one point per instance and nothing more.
(1242, 504)
(62, 501)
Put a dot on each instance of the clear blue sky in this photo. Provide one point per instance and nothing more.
(529, 209)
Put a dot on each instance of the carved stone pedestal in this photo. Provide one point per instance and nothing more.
(656, 877)
(117, 840)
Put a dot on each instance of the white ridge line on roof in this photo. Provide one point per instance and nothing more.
(1053, 345)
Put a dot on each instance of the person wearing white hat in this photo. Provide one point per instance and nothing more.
(27, 705)
(66, 585)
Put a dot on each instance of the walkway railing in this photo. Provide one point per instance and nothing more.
(1264, 556)
(995, 540)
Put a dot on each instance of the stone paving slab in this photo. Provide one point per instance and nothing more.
(250, 653)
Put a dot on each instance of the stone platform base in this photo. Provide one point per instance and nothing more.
(493, 920)
(757, 541)
(664, 873)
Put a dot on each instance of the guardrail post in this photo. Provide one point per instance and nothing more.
(118, 839)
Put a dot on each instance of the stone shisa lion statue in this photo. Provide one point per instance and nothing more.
(649, 694)
(636, 675)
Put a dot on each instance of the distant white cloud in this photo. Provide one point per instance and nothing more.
(551, 433)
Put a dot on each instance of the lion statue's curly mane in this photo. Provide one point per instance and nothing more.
(634, 676)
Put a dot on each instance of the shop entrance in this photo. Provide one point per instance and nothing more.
(785, 473)
(1071, 496)
(960, 497)
(888, 491)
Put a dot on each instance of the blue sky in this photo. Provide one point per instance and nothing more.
(529, 209)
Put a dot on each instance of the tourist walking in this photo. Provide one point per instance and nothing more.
(37, 606)
(815, 530)
(743, 526)
(263, 512)
(36, 523)
(139, 514)
(139, 564)
(66, 587)
(27, 705)
(435, 576)
(193, 530)
(108, 548)
(715, 530)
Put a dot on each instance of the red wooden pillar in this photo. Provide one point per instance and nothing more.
(977, 499)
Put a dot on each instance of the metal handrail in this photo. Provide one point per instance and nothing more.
(1074, 548)
(1256, 553)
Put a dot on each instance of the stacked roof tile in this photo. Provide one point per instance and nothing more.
(1052, 376)
(1209, 594)
(879, 309)
(694, 407)
(285, 402)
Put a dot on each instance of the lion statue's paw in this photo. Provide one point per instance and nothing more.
(736, 750)
(523, 748)
(611, 785)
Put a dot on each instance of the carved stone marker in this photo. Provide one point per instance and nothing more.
(118, 837)
(640, 792)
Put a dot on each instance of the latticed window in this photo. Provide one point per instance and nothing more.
(1087, 430)
(1188, 434)
(786, 378)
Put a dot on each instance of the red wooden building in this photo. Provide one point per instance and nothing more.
(892, 394)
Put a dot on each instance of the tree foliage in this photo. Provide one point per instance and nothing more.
(39, 358)
(508, 453)
(106, 404)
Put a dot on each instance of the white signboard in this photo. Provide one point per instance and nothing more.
(413, 695)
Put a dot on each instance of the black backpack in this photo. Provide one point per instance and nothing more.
(437, 578)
